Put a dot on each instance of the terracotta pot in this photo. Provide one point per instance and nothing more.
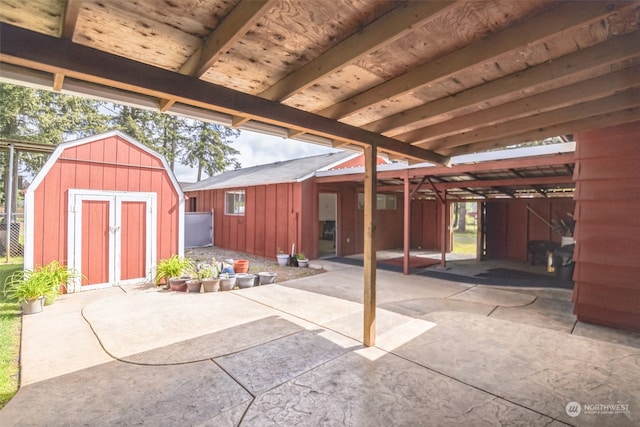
(178, 284)
(211, 285)
(241, 266)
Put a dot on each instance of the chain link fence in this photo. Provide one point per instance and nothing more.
(11, 243)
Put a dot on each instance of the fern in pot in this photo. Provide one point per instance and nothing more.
(173, 272)
(28, 287)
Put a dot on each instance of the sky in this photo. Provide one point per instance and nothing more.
(259, 149)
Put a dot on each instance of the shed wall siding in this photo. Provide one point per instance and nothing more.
(109, 164)
(607, 290)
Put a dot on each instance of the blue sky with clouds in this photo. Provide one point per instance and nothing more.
(259, 149)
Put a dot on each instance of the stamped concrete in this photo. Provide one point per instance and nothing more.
(450, 354)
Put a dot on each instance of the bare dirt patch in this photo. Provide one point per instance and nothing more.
(257, 264)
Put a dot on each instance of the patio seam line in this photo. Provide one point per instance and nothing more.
(573, 328)
(177, 363)
(459, 292)
(306, 320)
(476, 387)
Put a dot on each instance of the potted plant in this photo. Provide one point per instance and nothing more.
(302, 260)
(59, 275)
(227, 281)
(267, 277)
(282, 258)
(245, 280)
(28, 287)
(208, 275)
(173, 272)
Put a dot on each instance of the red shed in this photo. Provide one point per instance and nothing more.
(107, 205)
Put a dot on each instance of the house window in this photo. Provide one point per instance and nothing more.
(384, 201)
(234, 202)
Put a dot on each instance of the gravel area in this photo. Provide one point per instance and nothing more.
(257, 264)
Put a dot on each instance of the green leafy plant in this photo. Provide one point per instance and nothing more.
(207, 271)
(175, 266)
(300, 256)
(47, 281)
(26, 285)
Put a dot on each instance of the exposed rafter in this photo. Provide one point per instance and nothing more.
(233, 27)
(378, 34)
(32, 50)
(533, 30)
(567, 96)
(71, 12)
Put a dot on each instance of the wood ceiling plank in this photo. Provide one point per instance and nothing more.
(614, 118)
(613, 51)
(71, 12)
(627, 99)
(37, 51)
(536, 29)
(583, 91)
(506, 182)
(231, 29)
(382, 32)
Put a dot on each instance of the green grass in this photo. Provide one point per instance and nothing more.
(10, 324)
(466, 243)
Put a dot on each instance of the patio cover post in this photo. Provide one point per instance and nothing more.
(407, 224)
(370, 201)
(443, 210)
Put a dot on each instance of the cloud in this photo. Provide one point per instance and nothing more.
(259, 149)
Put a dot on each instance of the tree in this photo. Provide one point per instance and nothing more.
(209, 149)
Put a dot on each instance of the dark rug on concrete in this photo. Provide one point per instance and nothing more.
(502, 277)
(414, 262)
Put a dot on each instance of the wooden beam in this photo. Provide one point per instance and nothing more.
(58, 81)
(165, 104)
(584, 91)
(232, 28)
(435, 190)
(538, 189)
(505, 182)
(41, 52)
(70, 18)
(547, 160)
(612, 51)
(407, 223)
(293, 133)
(237, 121)
(370, 202)
(442, 200)
(627, 99)
(595, 122)
(417, 187)
(380, 33)
(537, 29)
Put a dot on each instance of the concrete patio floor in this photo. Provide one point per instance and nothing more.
(290, 354)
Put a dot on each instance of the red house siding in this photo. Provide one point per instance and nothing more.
(510, 225)
(607, 290)
(108, 164)
(272, 219)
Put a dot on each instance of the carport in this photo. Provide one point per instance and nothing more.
(420, 81)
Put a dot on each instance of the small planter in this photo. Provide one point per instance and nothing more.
(226, 284)
(241, 266)
(211, 285)
(194, 286)
(178, 284)
(267, 278)
(303, 263)
(283, 260)
(245, 280)
(32, 306)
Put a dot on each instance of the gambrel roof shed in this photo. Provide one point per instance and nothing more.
(106, 205)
